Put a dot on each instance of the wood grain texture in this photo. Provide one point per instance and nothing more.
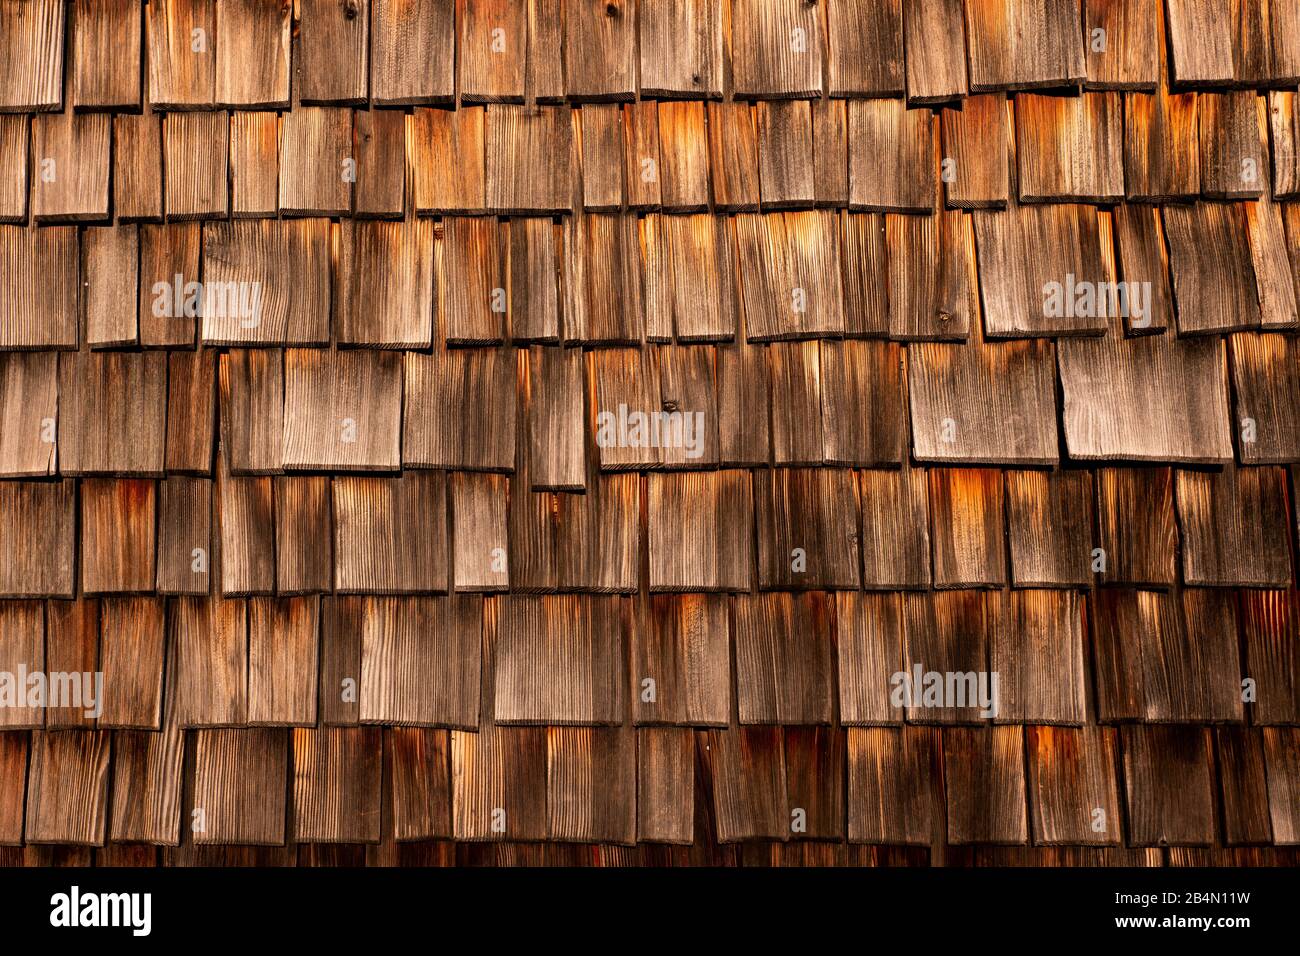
(1214, 293)
(1243, 780)
(22, 646)
(72, 648)
(182, 56)
(1023, 44)
(29, 401)
(1136, 525)
(690, 281)
(70, 166)
(315, 145)
(460, 409)
(450, 163)
(1039, 659)
(417, 774)
(333, 39)
(113, 413)
(282, 660)
(1070, 147)
(790, 279)
(14, 139)
(253, 54)
(869, 644)
(1162, 159)
(1266, 383)
(67, 788)
(895, 541)
(865, 52)
(894, 794)
(137, 173)
(807, 528)
(785, 659)
(600, 49)
(251, 384)
(1139, 233)
(111, 262)
(254, 167)
(977, 138)
(31, 55)
(247, 533)
(683, 156)
(665, 780)
(499, 783)
(13, 762)
(191, 411)
(239, 785)
(208, 649)
(147, 785)
(383, 284)
(38, 511)
(529, 159)
(342, 410)
(700, 531)
(195, 154)
(1282, 757)
(682, 647)
(776, 49)
(165, 252)
(1049, 527)
(379, 144)
(553, 405)
(420, 661)
(1072, 774)
(785, 140)
(470, 280)
(184, 551)
(337, 774)
(1169, 785)
(591, 784)
(967, 527)
(948, 631)
(932, 289)
(1165, 400)
(681, 48)
(602, 280)
(891, 157)
(412, 51)
(492, 50)
(105, 45)
(1268, 619)
(132, 642)
(733, 156)
(304, 561)
(747, 765)
(39, 274)
(390, 534)
(1164, 660)
(1232, 164)
(1200, 43)
(934, 35)
(983, 402)
(481, 542)
(1234, 527)
(576, 642)
(266, 282)
(984, 771)
(1129, 58)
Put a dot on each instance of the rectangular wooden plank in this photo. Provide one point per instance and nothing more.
(390, 534)
(147, 786)
(254, 163)
(1267, 389)
(680, 45)
(39, 277)
(803, 527)
(785, 141)
(70, 166)
(683, 156)
(113, 413)
(865, 52)
(665, 781)
(1234, 527)
(681, 661)
(184, 536)
(106, 55)
(67, 788)
(29, 403)
(602, 280)
(239, 786)
(412, 51)
(38, 511)
(383, 284)
(1232, 165)
(553, 403)
(315, 149)
(776, 49)
(182, 40)
(282, 660)
(420, 661)
(1169, 785)
(1072, 776)
(137, 161)
(984, 770)
(1125, 55)
(379, 142)
(967, 527)
(450, 161)
(529, 159)
(934, 37)
(336, 784)
(790, 275)
(191, 411)
(246, 526)
(252, 411)
(689, 278)
(1070, 147)
(460, 409)
(31, 55)
(480, 539)
(469, 276)
(893, 791)
(13, 171)
(132, 641)
(1049, 521)
(785, 659)
(252, 54)
(417, 774)
(700, 531)
(895, 541)
(342, 410)
(891, 157)
(195, 153)
(111, 261)
(208, 640)
(1137, 533)
(1162, 157)
(1039, 659)
(1023, 44)
(22, 648)
(304, 560)
(1200, 43)
(333, 40)
(930, 277)
(600, 49)
(976, 138)
(72, 649)
(733, 156)
(869, 643)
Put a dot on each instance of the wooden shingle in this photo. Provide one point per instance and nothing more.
(599, 49)
(895, 542)
(1072, 775)
(147, 785)
(105, 48)
(67, 788)
(529, 159)
(208, 649)
(252, 54)
(390, 534)
(1266, 382)
(480, 538)
(1282, 756)
(167, 309)
(417, 772)
(790, 278)
(118, 543)
(1240, 755)
(733, 156)
(967, 527)
(747, 765)
(553, 405)
(39, 276)
(869, 643)
(700, 531)
(1070, 147)
(1269, 620)
(184, 536)
(1200, 43)
(683, 156)
(31, 55)
(195, 155)
(112, 418)
(807, 527)
(984, 775)
(690, 282)
(785, 140)
(315, 157)
(1232, 166)
(948, 632)
(342, 410)
(1023, 44)
(1137, 532)
(1169, 785)
(137, 172)
(681, 661)
(304, 561)
(383, 284)
(681, 48)
(182, 53)
(14, 140)
(591, 784)
(111, 258)
(22, 647)
(976, 138)
(420, 660)
(1125, 55)
(470, 281)
(282, 660)
(460, 409)
(1162, 158)
(336, 784)
(665, 785)
(412, 51)
(239, 786)
(251, 384)
(333, 39)
(577, 642)
(895, 793)
(934, 34)
(72, 648)
(33, 512)
(603, 280)
(29, 403)
(866, 49)
(450, 163)
(191, 411)
(379, 144)
(784, 658)
(1039, 659)
(1049, 521)
(776, 49)
(1234, 525)
(891, 157)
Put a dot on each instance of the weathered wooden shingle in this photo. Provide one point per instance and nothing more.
(1169, 785)
(934, 33)
(895, 793)
(967, 528)
(412, 51)
(1022, 44)
(776, 49)
(700, 531)
(29, 402)
(31, 56)
(1049, 523)
(600, 49)
(105, 49)
(252, 54)
(342, 410)
(32, 512)
(113, 413)
(1069, 147)
(282, 660)
(460, 409)
(681, 661)
(195, 157)
(67, 788)
(39, 276)
(390, 534)
(336, 784)
(317, 164)
(182, 53)
(118, 542)
(984, 775)
(1234, 525)
(1137, 529)
(239, 786)
(681, 48)
(1072, 775)
(891, 157)
(383, 284)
